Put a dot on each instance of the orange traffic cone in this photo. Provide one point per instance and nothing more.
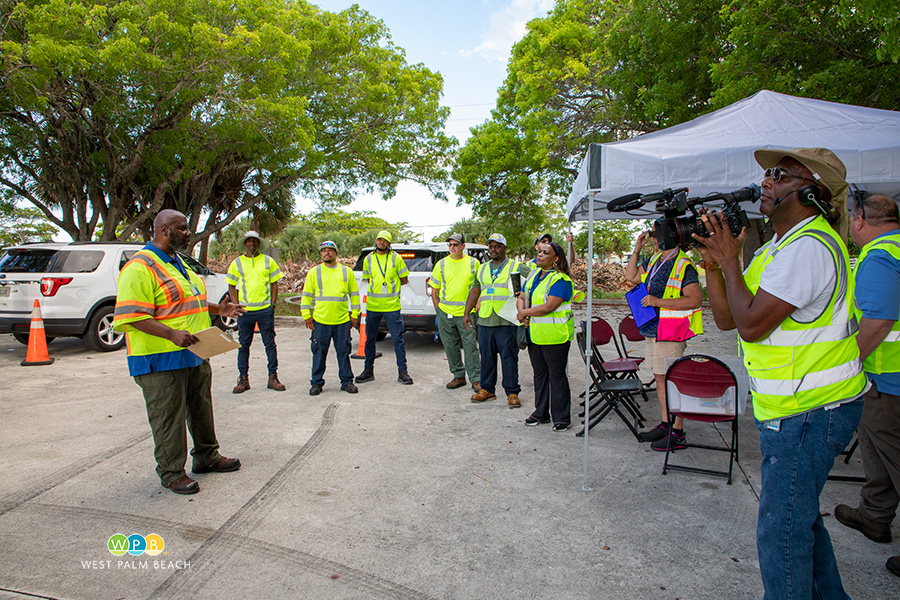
(37, 342)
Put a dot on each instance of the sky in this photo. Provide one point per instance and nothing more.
(468, 43)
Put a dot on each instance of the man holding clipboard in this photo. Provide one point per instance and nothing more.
(160, 305)
(674, 294)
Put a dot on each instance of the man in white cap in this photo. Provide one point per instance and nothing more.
(253, 283)
(496, 282)
(793, 310)
(385, 271)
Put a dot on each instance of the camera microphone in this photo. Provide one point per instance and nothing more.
(781, 199)
(626, 202)
(746, 194)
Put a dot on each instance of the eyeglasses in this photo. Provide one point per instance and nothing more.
(453, 244)
(777, 174)
(861, 202)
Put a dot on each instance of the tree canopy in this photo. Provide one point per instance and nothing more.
(607, 70)
(113, 109)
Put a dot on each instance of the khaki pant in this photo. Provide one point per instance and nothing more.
(176, 399)
(879, 445)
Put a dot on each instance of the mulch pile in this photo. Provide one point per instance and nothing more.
(607, 278)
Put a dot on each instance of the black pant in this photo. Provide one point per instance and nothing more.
(552, 396)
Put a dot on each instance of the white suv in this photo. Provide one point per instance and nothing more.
(416, 306)
(76, 285)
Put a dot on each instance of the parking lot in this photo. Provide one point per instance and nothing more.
(397, 492)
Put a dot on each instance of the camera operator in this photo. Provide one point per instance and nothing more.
(673, 289)
(792, 309)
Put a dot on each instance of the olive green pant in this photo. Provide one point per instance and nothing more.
(176, 398)
(455, 337)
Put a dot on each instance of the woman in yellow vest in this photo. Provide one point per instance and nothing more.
(673, 288)
(545, 305)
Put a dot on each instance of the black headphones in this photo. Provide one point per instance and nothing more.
(811, 195)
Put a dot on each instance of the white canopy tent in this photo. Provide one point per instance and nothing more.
(714, 153)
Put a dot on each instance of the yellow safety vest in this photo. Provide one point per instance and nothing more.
(495, 291)
(454, 279)
(557, 327)
(801, 366)
(675, 325)
(330, 295)
(384, 281)
(253, 278)
(150, 288)
(886, 357)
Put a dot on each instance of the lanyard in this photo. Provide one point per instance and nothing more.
(655, 268)
(495, 274)
(384, 270)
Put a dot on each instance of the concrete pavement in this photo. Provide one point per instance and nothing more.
(396, 492)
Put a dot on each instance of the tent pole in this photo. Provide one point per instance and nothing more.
(587, 343)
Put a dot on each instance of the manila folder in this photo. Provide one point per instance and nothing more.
(212, 341)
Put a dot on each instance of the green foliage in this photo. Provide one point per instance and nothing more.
(610, 237)
(21, 225)
(212, 107)
(476, 231)
(815, 48)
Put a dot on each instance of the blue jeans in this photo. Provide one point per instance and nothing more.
(320, 340)
(265, 318)
(395, 325)
(491, 342)
(796, 559)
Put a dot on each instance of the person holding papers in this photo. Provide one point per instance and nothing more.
(495, 283)
(160, 305)
(673, 289)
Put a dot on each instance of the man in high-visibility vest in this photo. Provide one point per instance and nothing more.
(330, 307)
(385, 271)
(253, 283)
(792, 307)
(160, 305)
(496, 282)
(875, 228)
(452, 278)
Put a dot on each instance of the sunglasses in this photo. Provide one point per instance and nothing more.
(777, 174)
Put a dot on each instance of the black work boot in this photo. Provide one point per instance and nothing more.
(404, 378)
(367, 375)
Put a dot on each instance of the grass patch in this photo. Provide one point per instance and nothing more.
(601, 295)
(287, 309)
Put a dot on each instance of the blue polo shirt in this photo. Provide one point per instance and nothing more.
(878, 296)
(166, 361)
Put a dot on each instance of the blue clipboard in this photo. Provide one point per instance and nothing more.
(642, 314)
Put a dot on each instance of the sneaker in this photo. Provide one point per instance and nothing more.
(367, 375)
(403, 377)
(315, 390)
(483, 395)
(349, 388)
(657, 433)
(851, 517)
(893, 565)
(532, 422)
(678, 442)
(561, 426)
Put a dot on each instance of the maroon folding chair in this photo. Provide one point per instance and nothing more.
(628, 330)
(619, 368)
(703, 388)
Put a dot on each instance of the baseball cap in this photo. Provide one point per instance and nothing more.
(456, 237)
(327, 244)
(251, 234)
(540, 237)
(497, 237)
(384, 235)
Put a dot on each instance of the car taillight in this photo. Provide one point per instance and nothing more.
(428, 288)
(51, 285)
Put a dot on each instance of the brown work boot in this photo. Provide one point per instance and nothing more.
(456, 382)
(183, 485)
(851, 517)
(483, 395)
(513, 400)
(476, 385)
(274, 384)
(242, 386)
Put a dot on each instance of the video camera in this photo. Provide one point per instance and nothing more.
(675, 227)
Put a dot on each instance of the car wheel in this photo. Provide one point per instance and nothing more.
(100, 335)
(226, 324)
(22, 338)
(380, 336)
